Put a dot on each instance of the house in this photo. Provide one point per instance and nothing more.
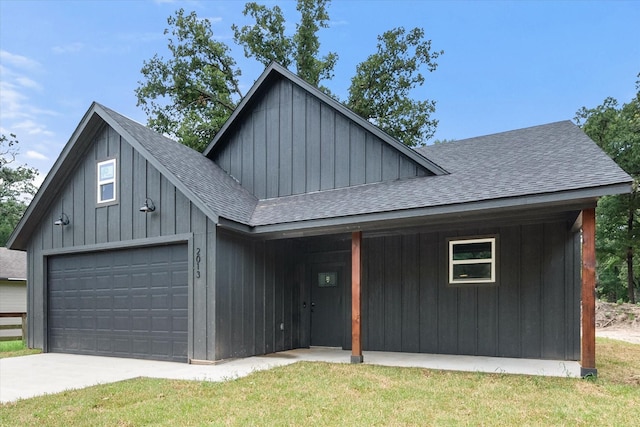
(13, 288)
(304, 225)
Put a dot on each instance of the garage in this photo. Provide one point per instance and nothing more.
(122, 303)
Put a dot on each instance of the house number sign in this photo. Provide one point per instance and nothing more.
(197, 263)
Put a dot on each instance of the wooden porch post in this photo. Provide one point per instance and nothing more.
(356, 276)
(588, 342)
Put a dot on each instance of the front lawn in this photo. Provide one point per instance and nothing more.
(16, 348)
(343, 394)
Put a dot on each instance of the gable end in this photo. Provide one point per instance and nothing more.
(288, 138)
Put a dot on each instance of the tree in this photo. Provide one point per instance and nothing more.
(265, 40)
(15, 185)
(190, 95)
(380, 90)
(617, 131)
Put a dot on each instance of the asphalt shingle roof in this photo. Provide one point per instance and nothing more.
(538, 160)
(13, 264)
(211, 184)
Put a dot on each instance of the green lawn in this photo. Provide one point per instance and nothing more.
(15, 348)
(347, 395)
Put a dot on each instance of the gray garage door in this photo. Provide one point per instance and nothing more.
(125, 303)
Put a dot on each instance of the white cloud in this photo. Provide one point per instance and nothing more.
(30, 127)
(338, 23)
(27, 82)
(35, 155)
(69, 48)
(18, 60)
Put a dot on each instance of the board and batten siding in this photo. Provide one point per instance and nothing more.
(111, 226)
(257, 296)
(533, 311)
(291, 143)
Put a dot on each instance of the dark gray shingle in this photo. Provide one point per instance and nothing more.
(539, 160)
(212, 185)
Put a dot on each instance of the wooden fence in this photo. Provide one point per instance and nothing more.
(15, 327)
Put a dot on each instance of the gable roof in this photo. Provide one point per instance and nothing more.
(13, 265)
(188, 170)
(548, 164)
(275, 71)
(537, 167)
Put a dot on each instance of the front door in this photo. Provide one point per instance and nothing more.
(326, 305)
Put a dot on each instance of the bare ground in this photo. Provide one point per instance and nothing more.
(618, 321)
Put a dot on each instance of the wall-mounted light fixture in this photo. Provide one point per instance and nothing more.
(148, 206)
(62, 220)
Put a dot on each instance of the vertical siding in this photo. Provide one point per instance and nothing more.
(91, 224)
(532, 311)
(257, 290)
(291, 143)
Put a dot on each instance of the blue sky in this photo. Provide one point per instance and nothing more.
(507, 65)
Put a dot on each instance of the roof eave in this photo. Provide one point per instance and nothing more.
(93, 119)
(159, 166)
(282, 71)
(566, 200)
(87, 125)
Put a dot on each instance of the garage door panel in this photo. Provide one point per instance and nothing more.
(127, 303)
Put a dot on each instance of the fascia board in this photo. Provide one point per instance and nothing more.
(44, 195)
(574, 198)
(283, 72)
(159, 166)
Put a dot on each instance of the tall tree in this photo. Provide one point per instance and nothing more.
(381, 89)
(16, 185)
(191, 94)
(616, 129)
(266, 41)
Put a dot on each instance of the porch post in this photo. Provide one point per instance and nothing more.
(588, 342)
(356, 276)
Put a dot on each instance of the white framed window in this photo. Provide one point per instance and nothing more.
(106, 181)
(472, 261)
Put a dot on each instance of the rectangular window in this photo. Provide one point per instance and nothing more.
(472, 261)
(107, 181)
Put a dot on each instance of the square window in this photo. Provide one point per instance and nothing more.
(107, 181)
(472, 261)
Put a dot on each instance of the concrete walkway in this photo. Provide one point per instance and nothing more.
(35, 375)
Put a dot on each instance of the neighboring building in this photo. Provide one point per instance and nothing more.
(13, 288)
(304, 225)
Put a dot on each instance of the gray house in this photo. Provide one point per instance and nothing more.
(13, 289)
(304, 225)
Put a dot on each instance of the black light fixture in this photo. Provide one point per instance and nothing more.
(62, 220)
(148, 206)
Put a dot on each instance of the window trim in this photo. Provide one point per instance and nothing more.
(101, 182)
(493, 260)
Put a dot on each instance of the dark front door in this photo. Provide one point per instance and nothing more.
(326, 305)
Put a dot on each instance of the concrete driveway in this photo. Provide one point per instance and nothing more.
(38, 374)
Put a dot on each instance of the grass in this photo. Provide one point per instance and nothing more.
(344, 394)
(15, 348)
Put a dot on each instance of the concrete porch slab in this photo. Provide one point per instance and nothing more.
(35, 375)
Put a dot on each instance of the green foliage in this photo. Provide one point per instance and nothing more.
(16, 183)
(266, 41)
(190, 95)
(380, 90)
(617, 131)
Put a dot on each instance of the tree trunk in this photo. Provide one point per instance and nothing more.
(630, 289)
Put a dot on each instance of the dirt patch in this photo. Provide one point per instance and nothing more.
(618, 321)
